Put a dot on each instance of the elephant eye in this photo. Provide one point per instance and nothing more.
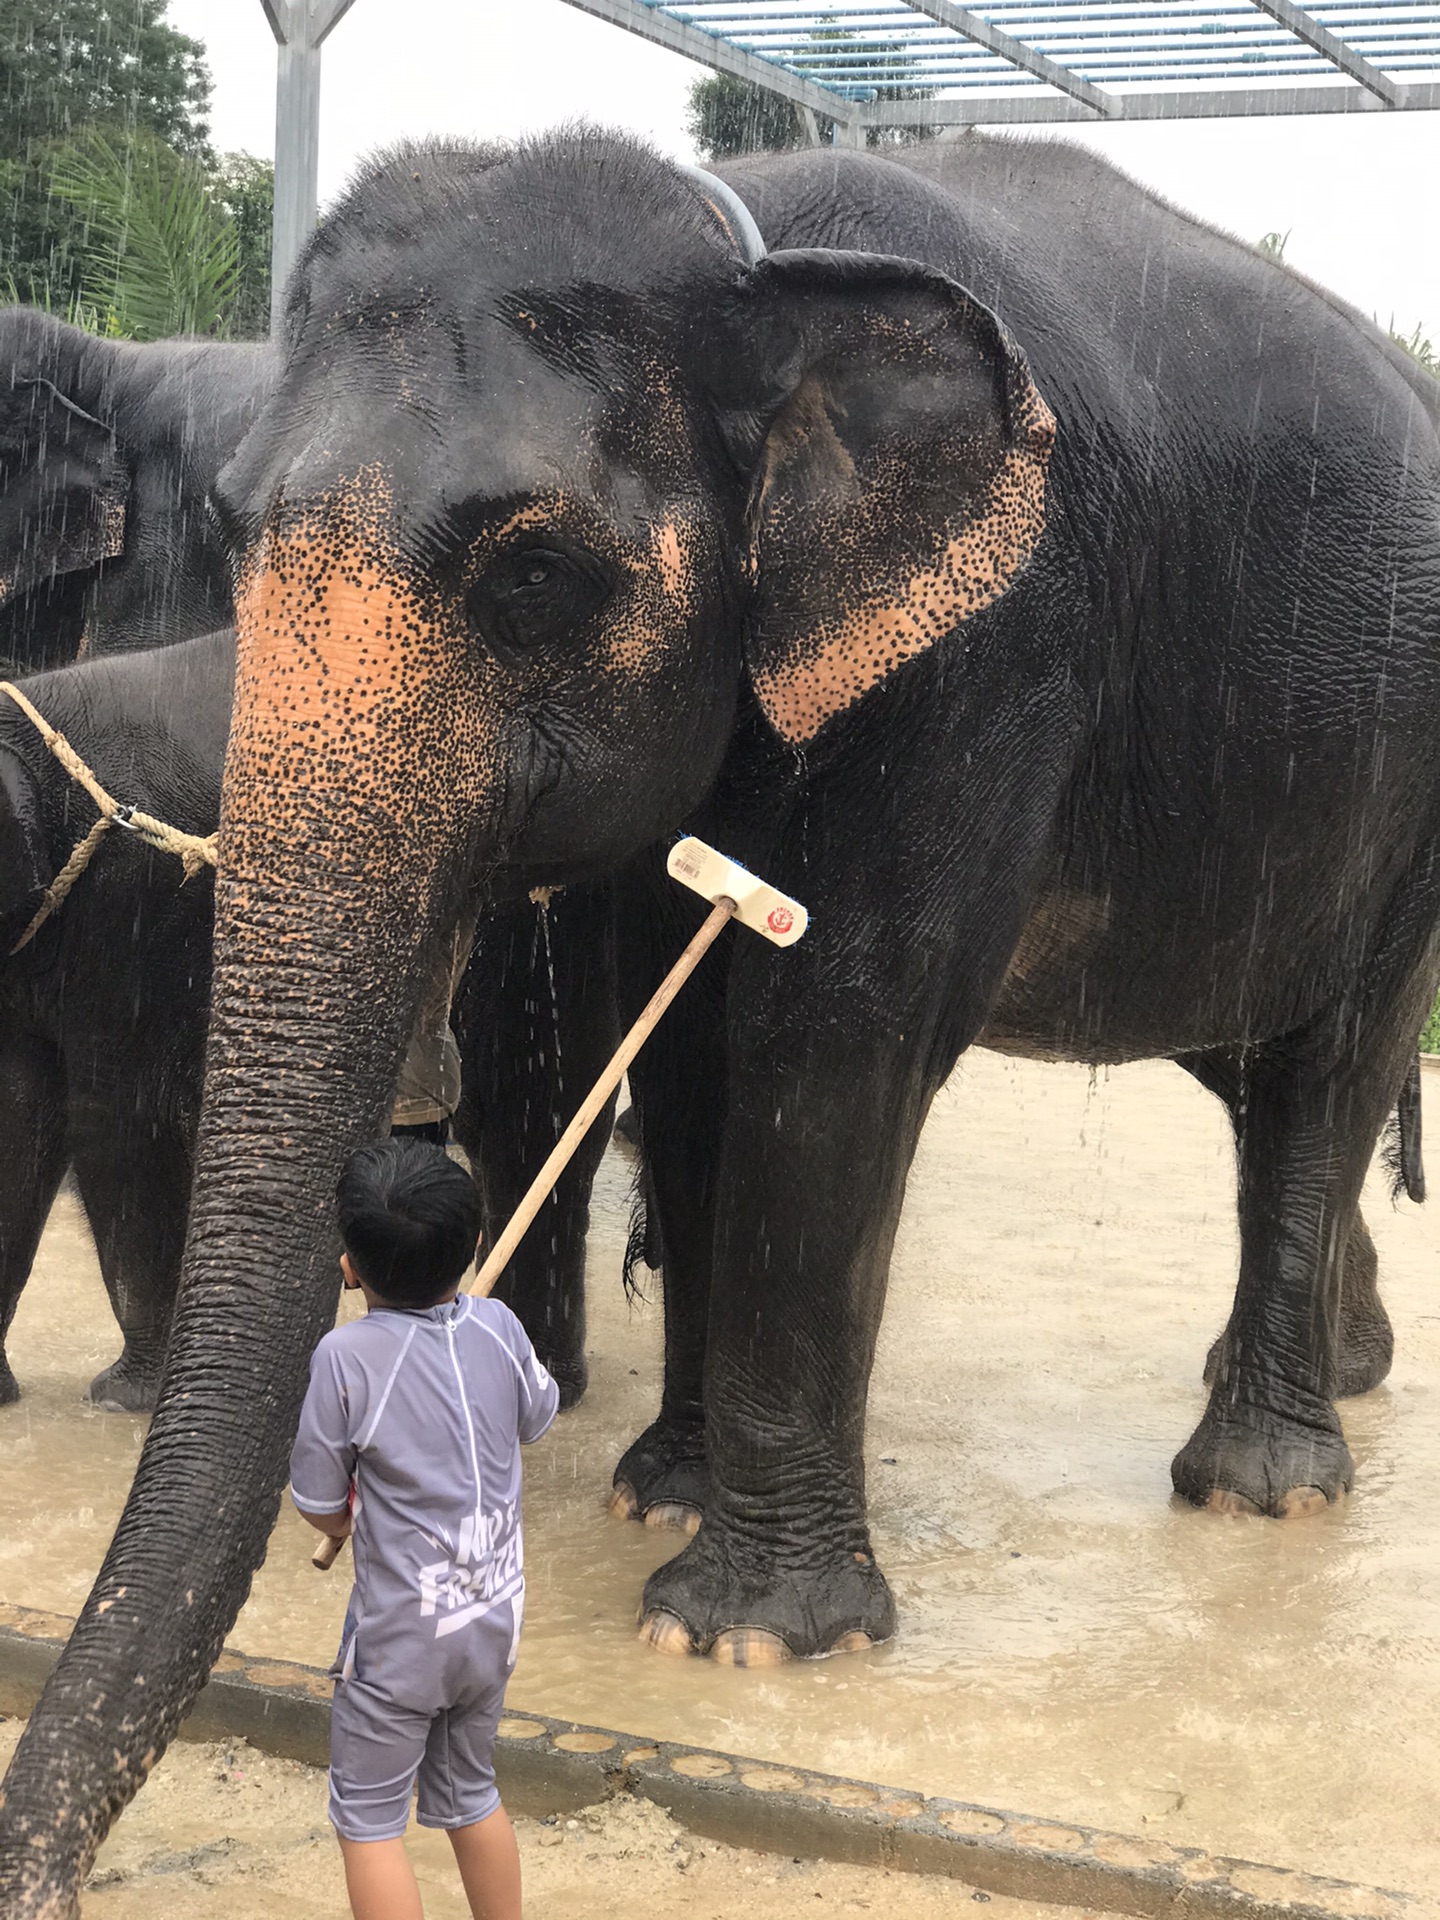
(529, 596)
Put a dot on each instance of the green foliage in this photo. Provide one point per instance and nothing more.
(727, 116)
(161, 255)
(1430, 1032)
(78, 312)
(113, 209)
(245, 188)
(67, 65)
(1416, 345)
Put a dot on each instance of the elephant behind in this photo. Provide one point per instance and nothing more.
(108, 452)
(103, 1013)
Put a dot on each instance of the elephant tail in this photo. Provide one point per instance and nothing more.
(1402, 1139)
(643, 1245)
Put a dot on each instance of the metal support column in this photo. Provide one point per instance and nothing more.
(301, 28)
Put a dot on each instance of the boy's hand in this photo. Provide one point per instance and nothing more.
(337, 1525)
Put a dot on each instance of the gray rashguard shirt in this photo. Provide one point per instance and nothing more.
(425, 1411)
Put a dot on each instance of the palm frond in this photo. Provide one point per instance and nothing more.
(162, 257)
(74, 307)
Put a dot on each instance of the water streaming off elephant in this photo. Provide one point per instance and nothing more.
(1069, 1643)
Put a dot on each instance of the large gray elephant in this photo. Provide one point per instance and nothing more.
(571, 523)
(108, 451)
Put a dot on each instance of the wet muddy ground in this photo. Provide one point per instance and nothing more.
(225, 1833)
(233, 1834)
(1071, 1643)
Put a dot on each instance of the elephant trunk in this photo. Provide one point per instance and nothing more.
(331, 904)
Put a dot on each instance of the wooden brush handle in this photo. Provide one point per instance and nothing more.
(590, 1107)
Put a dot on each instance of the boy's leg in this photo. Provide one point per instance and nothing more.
(457, 1775)
(375, 1749)
(381, 1882)
(489, 1863)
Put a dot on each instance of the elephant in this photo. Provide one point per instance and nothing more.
(103, 1015)
(1091, 711)
(108, 451)
(103, 1012)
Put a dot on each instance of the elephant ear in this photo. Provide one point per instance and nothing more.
(898, 450)
(63, 488)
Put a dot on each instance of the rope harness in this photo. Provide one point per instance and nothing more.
(193, 850)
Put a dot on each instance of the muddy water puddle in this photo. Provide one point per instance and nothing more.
(1070, 1643)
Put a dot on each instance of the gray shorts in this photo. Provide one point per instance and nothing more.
(379, 1750)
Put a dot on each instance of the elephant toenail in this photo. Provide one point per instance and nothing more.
(669, 1516)
(1222, 1500)
(666, 1633)
(750, 1647)
(622, 1504)
(1300, 1502)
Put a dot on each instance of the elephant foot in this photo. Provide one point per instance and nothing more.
(126, 1387)
(1249, 1461)
(9, 1385)
(663, 1478)
(753, 1613)
(626, 1130)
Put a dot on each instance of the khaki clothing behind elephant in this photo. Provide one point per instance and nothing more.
(428, 1088)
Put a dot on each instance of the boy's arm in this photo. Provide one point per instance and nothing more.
(322, 1462)
(539, 1393)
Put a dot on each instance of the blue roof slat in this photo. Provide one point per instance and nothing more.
(890, 44)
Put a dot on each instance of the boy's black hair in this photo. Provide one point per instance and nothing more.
(409, 1220)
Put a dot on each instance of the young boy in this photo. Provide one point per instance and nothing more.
(420, 1408)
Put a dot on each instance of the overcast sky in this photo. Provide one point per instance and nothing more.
(1357, 194)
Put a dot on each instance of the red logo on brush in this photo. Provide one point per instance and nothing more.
(780, 920)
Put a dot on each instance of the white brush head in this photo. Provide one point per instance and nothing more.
(764, 909)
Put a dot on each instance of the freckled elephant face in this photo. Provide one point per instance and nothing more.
(510, 628)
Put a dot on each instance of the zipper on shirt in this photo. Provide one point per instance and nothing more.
(470, 1433)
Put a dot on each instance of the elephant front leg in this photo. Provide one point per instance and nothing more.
(811, 1182)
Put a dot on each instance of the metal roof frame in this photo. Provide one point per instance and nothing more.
(863, 64)
(1042, 61)
(301, 28)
